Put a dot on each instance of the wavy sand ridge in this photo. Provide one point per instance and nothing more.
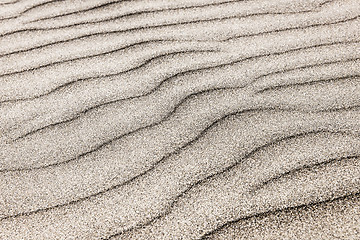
(190, 119)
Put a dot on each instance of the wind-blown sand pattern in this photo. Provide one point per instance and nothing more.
(192, 119)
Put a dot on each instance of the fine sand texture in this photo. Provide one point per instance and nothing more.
(179, 119)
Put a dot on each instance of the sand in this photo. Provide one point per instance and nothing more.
(190, 119)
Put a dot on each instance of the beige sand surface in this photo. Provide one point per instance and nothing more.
(191, 119)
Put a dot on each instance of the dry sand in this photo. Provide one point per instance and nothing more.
(191, 119)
